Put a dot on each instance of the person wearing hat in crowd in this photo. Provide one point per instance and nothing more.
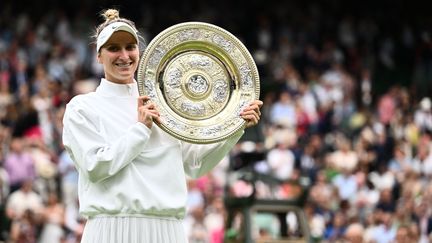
(423, 115)
(132, 175)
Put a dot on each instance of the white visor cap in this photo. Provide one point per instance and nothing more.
(107, 32)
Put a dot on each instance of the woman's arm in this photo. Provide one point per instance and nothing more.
(86, 140)
(200, 159)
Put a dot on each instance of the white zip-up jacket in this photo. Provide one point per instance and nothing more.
(124, 167)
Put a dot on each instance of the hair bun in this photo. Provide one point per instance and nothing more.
(111, 14)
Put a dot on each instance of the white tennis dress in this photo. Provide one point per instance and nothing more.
(132, 179)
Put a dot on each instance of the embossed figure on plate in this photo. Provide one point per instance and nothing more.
(220, 91)
(173, 79)
(197, 84)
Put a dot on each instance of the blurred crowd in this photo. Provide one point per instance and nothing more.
(347, 105)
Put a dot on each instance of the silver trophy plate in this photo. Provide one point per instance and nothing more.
(200, 77)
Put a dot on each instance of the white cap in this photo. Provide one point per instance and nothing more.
(425, 104)
(106, 33)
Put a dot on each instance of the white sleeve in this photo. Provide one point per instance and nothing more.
(201, 158)
(84, 137)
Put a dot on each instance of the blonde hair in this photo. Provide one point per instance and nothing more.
(111, 16)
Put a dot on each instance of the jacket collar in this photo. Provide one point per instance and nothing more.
(108, 88)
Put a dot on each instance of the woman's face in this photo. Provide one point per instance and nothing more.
(119, 57)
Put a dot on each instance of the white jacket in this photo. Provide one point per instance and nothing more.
(124, 167)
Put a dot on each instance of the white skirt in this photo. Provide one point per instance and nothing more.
(127, 229)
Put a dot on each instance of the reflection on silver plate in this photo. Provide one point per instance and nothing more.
(200, 77)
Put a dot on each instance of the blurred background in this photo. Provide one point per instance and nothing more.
(345, 133)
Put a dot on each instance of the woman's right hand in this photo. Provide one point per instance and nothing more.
(147, 112)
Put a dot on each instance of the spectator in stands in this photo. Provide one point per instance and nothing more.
(422, 162)
(23, 199)
(385, 231)
(354, 233)
(344, 158)
(423, 115)
(403, 235)
(283, 111)
(53, 218)
(24, 229)
(19, 164)
(422, 217)
(281, 161)
(69, 176)
(336, 229)
(346, 184)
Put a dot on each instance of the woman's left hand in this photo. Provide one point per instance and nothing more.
(252, 113)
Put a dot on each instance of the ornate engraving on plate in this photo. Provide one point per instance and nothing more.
(225, 44)
(200, 77)
(157, 56)
(193, 109)
(173, 79)
(197, 85)
(245, 76)
(189, 82)
(220, 91)
(189, 34)
(198, 61)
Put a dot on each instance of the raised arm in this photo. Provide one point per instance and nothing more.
(200, 159)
